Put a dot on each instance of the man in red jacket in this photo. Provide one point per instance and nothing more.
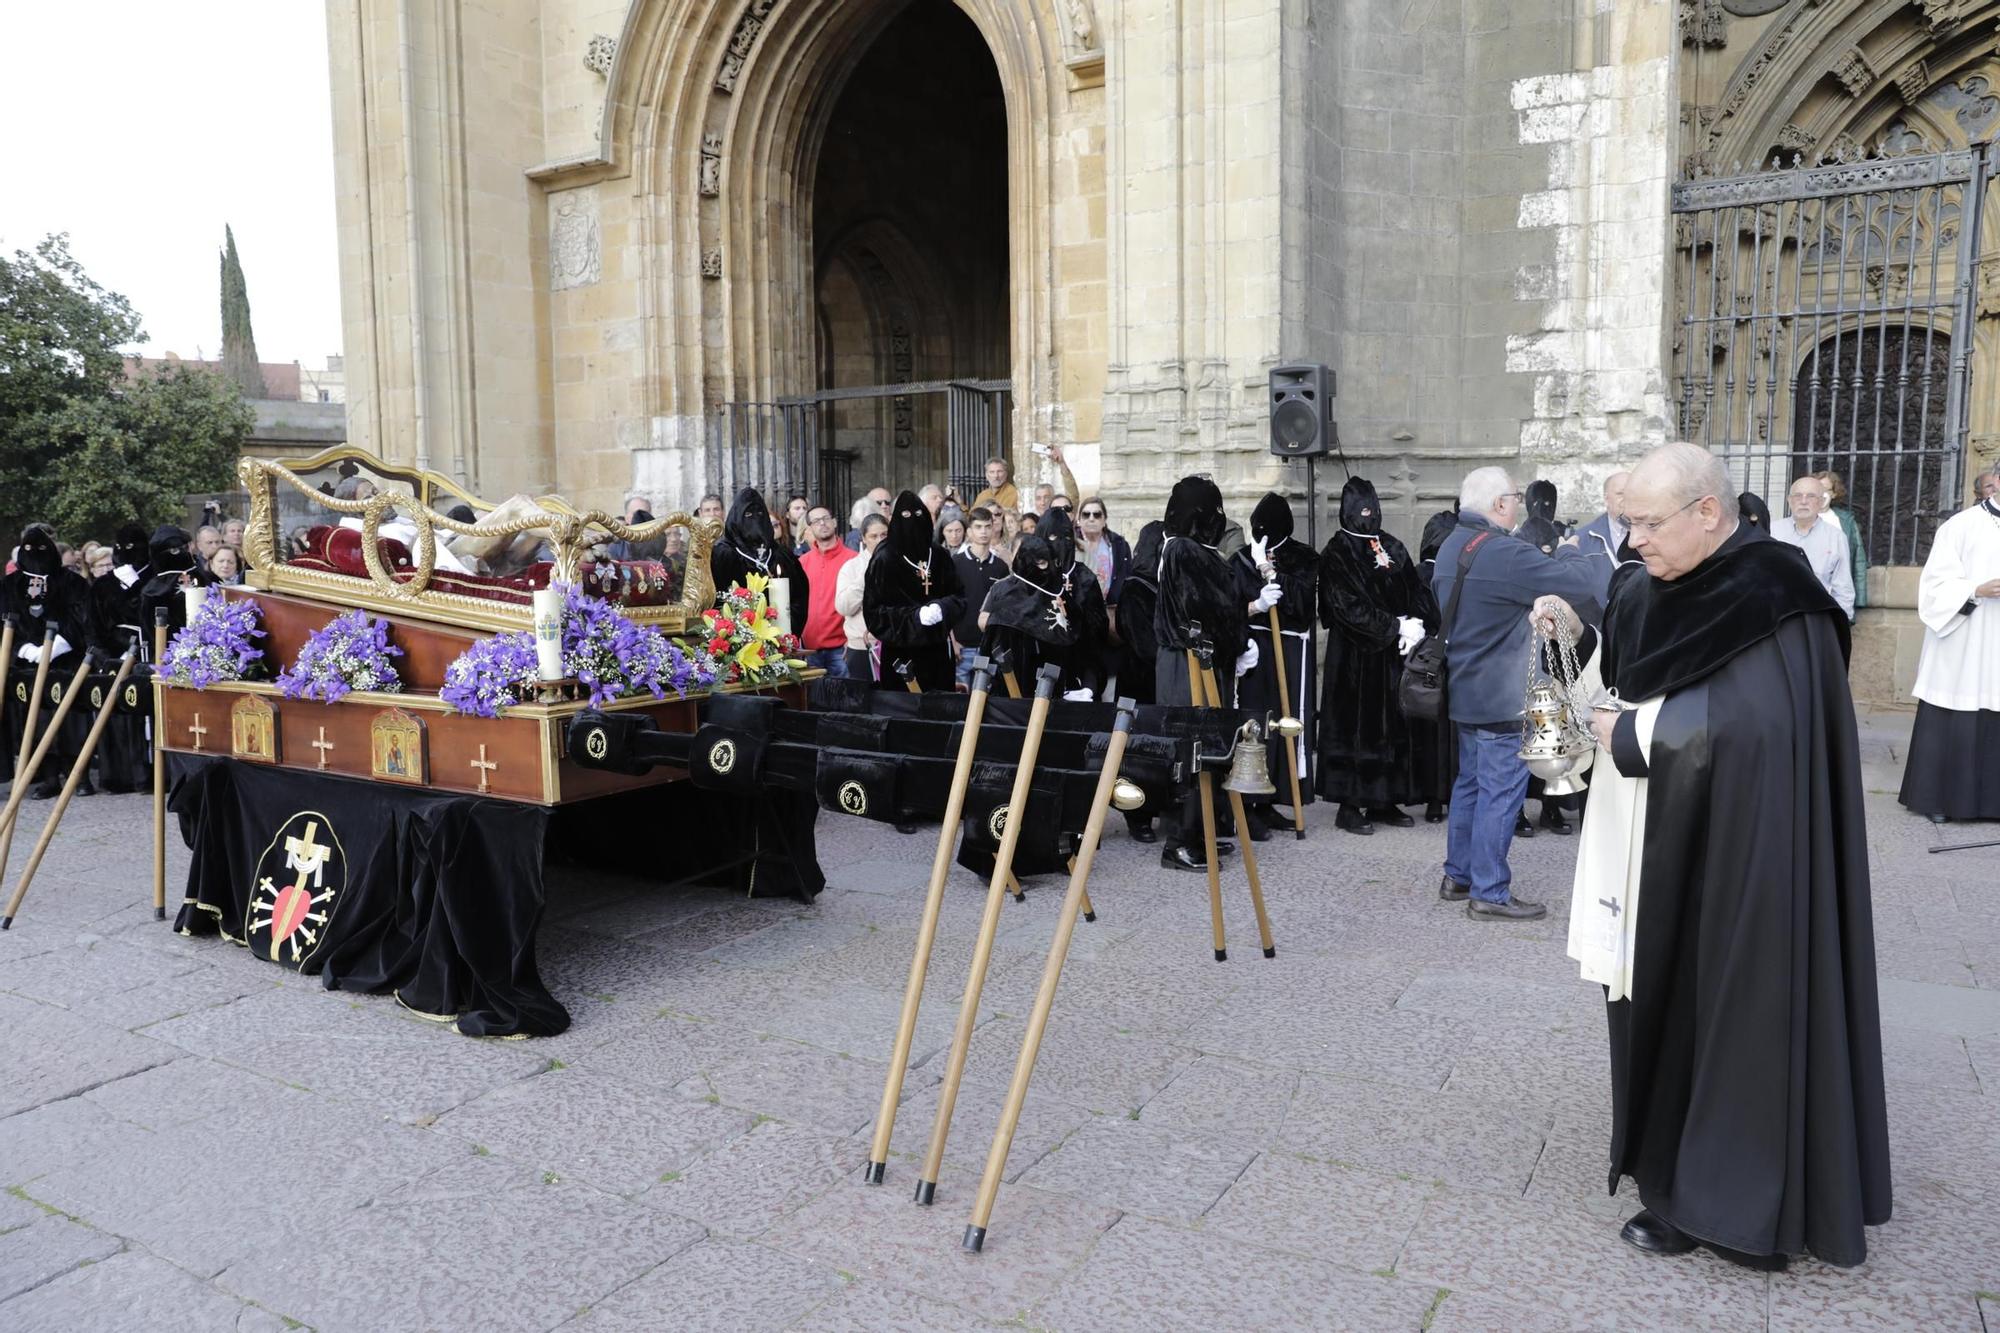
(825, 637)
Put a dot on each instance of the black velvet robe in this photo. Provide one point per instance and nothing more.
(58, 598)
(1365, 746)
(893, 595)
(1022, 635)
(1257, 692)
(1137, 606)
(1434, 745)
(1747, 1090)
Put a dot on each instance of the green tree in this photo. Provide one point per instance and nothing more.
(79, 446)
(239, 344)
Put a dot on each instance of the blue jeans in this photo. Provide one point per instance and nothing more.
(831, 660)
(965, 656)
(1492, 779)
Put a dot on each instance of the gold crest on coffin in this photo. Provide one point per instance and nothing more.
(853, 798)
(722, 757)
(996, 823)
(253, 730)
(396, 748)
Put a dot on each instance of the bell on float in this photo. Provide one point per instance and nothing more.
(1548, 750)
(1127, 795)
(1249, 773)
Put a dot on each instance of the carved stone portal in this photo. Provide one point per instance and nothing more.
(711, 262)
(747, 27)
(598, 55)
(711, 165)
(575, 255)
(1854, 73)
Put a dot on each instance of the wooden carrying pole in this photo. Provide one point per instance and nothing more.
(1291, 742)
(1207, 785)
(1045, 998)
(30, 757)
(159, 767)
(913, 992)
(25, 774)
(76, 772)
(982, 949)
(7, 625)
(1249, 853)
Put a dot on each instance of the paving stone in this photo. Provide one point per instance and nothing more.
(53, 1135)
(1576, 1265)
(17, 1212)
(89, 970)
(1492, 1001)
(145, 1291)
(617, 911)
(753, 1181)
(1466, 1141)
(1814, 1297)
(723, 1286)
(1913, 1055)
(668, 1052)
(1941, 962)
(1342, 1215)
(737, 919)
(1218, 1096)
(1948, 1009)
(1081, 1060)
(605, 1131)
(1045, 1122)
(1152, 1276)
(1413, 1049)
(189, 1090)
(203, 987)
(1034, 1238)
(1158, 1172)
(501, 1251)
(53, 1054)
(866, 1306)
(781, 945)
(32, 1255)
(851, 1019)
(1572, 1173)
(787, 1081)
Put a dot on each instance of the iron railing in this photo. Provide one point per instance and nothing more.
(1825, 322)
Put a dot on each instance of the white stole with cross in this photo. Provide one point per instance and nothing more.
(1610, 857)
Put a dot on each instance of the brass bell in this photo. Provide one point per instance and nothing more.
(1127, 795)
(1249, 771)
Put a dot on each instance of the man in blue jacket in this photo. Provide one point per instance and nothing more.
(1487, 658)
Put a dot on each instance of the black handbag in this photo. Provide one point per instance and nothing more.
(1422, 693)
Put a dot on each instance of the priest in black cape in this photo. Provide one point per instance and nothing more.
(42, 595)
(1083, 600)
(1203, 609)
(1722, 893)
(1374, 606)
(747, 546)
(1025, 623)
(1295, 569)
(910, 598)
(1434, 744)
(124, 760)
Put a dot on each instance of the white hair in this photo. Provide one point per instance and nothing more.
(1482, 489)
(859, 510)
(930, 489)
(1694, 473)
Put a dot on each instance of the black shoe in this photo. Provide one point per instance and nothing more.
(1553, 821)
(906, 828)
(1522, 828)
(1259, 830)
(45, 791)
(1182, 858)
(1434, 813)
(1141, 830)
(1511, 910)
(1393, 817)
(1655, 1235)
(1354, 820)
(1451, 891)
(1224, 847)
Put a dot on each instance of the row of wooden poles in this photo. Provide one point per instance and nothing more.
(28, 762)
(1109, 791)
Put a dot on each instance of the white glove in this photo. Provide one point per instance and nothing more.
(31, 651)
(931, 614)
(127, 576)
(1257, 551)
(1270, 597)
(60, 649)
(1409, 633)
(1079, 696)
(1248, 662)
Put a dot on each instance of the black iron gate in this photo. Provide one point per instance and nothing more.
(793, 445)
(1825, 319)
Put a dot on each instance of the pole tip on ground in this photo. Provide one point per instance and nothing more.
(6, 923)
(159, 914)
(1222, 955)
(975, 1239)
(1271, 952)
(1090, 916)
(1299, 834)
(872, 1173)
(926, 1192)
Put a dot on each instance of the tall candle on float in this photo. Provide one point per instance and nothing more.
(193, 595)
(778, 593)
(548, 609)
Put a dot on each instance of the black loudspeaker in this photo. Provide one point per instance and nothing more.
(1302, 412)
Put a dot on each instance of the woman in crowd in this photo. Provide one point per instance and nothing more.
(951, 529)
(847, 594)
(225, 567)
(1857, 550)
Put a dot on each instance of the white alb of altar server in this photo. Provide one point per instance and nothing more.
(1604, 897)
(1953, 769)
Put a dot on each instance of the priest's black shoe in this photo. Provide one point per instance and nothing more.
(1451, 891)
(1182, 858)
(1353, 820)
(1522, 828)
(1434, 813)
(1553, 821)
(1393, 817)
(1511, 910)
(1655, 1235)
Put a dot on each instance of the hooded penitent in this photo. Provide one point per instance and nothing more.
(1136, 608)
(171, 561)
(1027, 620)
(1083, 598)
(1367, 585)
(1438, 528)
(746, 548)
(115, 596)
(1201, 600)
(1539, 528)
(907, 573)
(45, 595)
(1751, 508)
(1296, 568)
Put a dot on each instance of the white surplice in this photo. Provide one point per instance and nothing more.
(1610, 853)
(1960, 668)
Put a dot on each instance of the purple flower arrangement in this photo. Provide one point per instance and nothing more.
(350, 653)
(216, 645)
(602, 650)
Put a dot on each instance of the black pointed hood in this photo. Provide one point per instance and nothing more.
(1271, 520)
(910, 531)
(1027, 602)
(1360, 509)
(38, 553)
(1436, 531)
(169, 549)
(748, 526)
(1056, 529)
(132, 547)
(1035, 561)
(1146, 552)
(1751, 507)
(1540, 498)
(1194, 509)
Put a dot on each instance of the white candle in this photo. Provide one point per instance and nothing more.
(778, 593)
(548, 604)
(193, 595)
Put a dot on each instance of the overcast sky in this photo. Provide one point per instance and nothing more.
(141, 128)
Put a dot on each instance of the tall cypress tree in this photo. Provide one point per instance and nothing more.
(239, 345)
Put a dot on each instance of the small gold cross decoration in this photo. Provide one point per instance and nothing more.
(485, 767)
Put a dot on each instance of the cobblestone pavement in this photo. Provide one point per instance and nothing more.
(1399, 1123)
